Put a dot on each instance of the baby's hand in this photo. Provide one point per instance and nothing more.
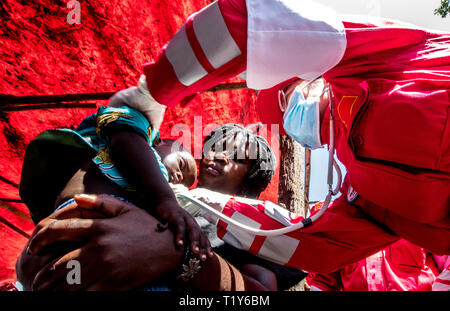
(183, 222)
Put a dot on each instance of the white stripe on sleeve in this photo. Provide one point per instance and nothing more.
(184, 62)
(279, 248)
(213, 35)
(237, 237)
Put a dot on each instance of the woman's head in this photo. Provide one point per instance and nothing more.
(236, 161)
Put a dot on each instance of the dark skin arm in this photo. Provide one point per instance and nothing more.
(220, 275)
(137, 162)
(107, 246)
(264, 276)
(28, 265)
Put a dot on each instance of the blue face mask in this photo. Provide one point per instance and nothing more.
(302, 119)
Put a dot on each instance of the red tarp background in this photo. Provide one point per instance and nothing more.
(42, 54)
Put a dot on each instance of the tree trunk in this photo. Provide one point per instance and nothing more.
(307, 178)
(293, 189)
(294, 170)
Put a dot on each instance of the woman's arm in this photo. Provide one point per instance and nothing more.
(103, 243)
(134, 158)
(219, 275)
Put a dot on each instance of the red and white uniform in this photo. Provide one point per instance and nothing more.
(391, 89)
(258, 36)
(442, 282)
(341, 236)
(401, 266)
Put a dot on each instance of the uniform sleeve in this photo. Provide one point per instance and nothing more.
(208, 49)
(272, 41)
(340, 237)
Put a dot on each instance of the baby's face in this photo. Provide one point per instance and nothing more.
(181, 168)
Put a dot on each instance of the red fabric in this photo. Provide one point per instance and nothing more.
(434, 237)
(8, 286)
(400, 267)
(397, 148)
(161, 78)
(43, 55)
(341, 236)
(393, 128)
(442, 282)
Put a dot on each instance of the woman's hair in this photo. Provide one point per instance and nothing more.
(263, 161)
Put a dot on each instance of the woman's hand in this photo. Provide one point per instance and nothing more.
(183, 223)
(133, 156)
(121, 252)
(28, 265)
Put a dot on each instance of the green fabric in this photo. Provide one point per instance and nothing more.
(50, 161)
(55, 155)
(99, 135)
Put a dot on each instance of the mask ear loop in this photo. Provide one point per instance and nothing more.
(283, 106)
(331, 161)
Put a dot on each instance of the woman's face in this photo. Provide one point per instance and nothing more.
(223, 169)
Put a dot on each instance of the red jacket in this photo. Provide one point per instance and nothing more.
(400, 267)
(391, 90)
(393, 126)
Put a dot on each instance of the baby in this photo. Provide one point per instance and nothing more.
(174, 162)
(116, 152)
(180, 164)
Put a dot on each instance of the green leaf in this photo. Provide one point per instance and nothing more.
(444, 9)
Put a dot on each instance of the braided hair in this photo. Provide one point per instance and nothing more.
(262, 157)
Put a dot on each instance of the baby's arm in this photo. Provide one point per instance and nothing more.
(132, 155)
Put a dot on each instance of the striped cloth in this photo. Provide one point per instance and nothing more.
(341, 236)
(442, 282)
